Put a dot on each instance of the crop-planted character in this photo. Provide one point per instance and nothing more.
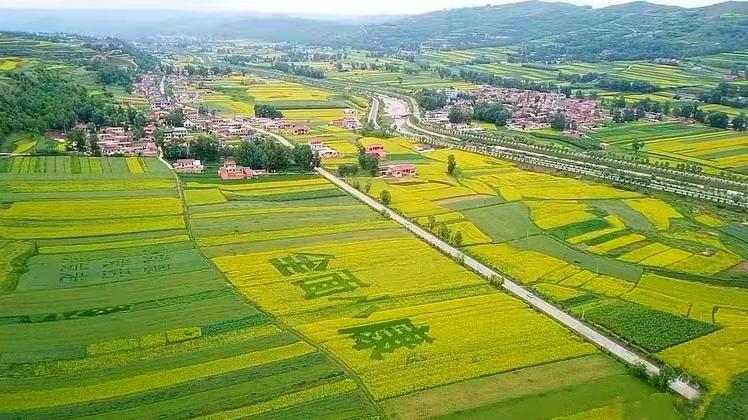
(329, 284)
(386, 337)
(301, 263)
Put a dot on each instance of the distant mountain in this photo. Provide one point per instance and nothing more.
(547, 31)
(134, 24)
(541, 31)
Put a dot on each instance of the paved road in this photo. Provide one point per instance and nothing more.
(282, 140)
(611, 346)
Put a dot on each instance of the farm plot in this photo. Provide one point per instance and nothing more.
(133, 322)
(401, 315)
(711, 147)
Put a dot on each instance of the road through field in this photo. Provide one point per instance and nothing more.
(590, 334)
(582, 329)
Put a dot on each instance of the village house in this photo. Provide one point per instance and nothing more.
(230, 170)
(176, 133)
(321, 150)
(376, 150)
(398, 171)
(301, 130)
(315, 144)
(189, 166)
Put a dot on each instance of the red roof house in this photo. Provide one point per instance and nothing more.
(398, 171)
(376, 150)
(230, 170)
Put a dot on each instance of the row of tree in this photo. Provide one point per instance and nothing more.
(258, 154)
(298, 70)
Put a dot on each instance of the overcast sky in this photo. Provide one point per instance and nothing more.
(341, 7)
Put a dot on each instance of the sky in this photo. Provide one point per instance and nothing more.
(326, 7)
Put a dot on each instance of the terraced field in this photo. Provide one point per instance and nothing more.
(398, 80)
(645, 270)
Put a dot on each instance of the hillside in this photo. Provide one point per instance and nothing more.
(542, 31)
(551, 31)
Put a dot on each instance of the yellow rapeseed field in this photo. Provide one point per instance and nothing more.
(134, 165)
(709, 220)
(614, 244)
(204, 196)
(644, 252)
(327, 390)
(470, 337)
(578, 279)
(560, 274)
(386, 267)
(92, 209)
(81, 228)
(665, 258)
(557, 292)
(531, 185)
(707, 265)
(657, 211)
(694, 292)
(471, 235)
(524, 266)
(659, 301)
(267, 235)
(716, 357)
(102, 246)
(264, 185)
(608, 286)
(34, 399)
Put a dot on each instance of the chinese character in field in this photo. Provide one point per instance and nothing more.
(116, 262)
(71, 277)
(158, 268)
(329, 284)
(301, 263)
(386, 337)
(72, 267)
(115, 273)
(155, 258)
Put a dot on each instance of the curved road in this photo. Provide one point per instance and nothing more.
(601, 340)
(282, 140)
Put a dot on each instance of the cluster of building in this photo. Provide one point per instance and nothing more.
(151, 87)
(230, 169)
(349, 121)
(529, 110)
(116, 141)
(533, 110)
